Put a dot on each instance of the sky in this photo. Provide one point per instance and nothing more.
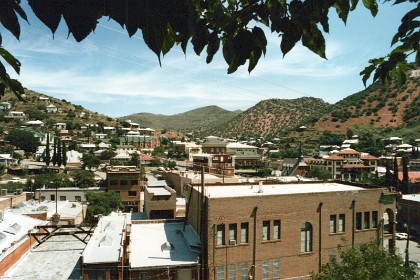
(113, 74)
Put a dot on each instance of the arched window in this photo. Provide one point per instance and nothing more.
(306, 238)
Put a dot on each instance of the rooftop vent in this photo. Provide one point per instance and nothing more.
(167, 246)
(260, 187)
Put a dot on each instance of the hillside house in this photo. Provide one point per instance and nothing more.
(51, 109)
(246, 156)
(4, 106)
(36, 123)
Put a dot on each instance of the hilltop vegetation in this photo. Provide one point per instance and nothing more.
(197, 120)
(35, 109)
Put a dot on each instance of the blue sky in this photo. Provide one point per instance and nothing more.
(113, 74)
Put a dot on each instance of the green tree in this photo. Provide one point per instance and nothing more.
(320, 173)
(395, 175)
(83, 179)
(64, 152)
(101, 203)
(405, 185)
(90, 161)
(51, 180)
(367, 262)
(54, 157)
(23, 139)
(330, 138)
(107, 155)
(59, 158)
(134, 160)
(35, 114)
(47, 150)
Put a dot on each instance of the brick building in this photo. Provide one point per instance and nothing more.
(126, 181)
(284, 230)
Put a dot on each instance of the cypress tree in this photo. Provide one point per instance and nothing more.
(59, 153)
(405, 179)
(47, 151)
(388, 177)
(54, 157)
(64, 157)
(395, 175)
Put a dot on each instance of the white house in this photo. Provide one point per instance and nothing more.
(51, 108)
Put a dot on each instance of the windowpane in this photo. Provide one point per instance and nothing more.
(266, 230)
(132, 193)
(359, 221)
(276, 268)
(342, 223)
(375, 219)
(366, 220)
(220, 235)
(265, 269)
(244, 271)
(244, 232)
(232, 232)
(306, 238)
(277, 229)
(333, 223)
(220, 273)
(63, 198)
(123, 182)
(232, 272)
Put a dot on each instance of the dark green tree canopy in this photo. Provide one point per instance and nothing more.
(231, 26)
(23, 139)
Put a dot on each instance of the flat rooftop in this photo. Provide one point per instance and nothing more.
(66, 209)
(276, 189)
(159, 191)
(56, 258)
(412, 197)
(106, 243)
(163, 244)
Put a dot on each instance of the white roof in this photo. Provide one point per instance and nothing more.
(87, 145)
(51, 106)
(412, 197)
(163, 244)
(351, 141)
(158, 191)
(35, 122)
(278, 189)
(122, 155)
(64, 208)
(239, 146)
(404, 146)
(14, 228)
(106, 243)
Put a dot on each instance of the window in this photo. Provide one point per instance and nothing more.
(342, 223)
(52, 197)
(78, 198)
(333, 223)
(366, 220)
(244, 232)
(244, 271)
(63, 198)
(276, 268)
(266, 230)
(220, 273)
(123, 182)
(375, 219)
(220, 234)
(359, 221)
(232, 233)
(306, 238)
(133, 182)
(132, 193)
(113, 182)
(265, 269)
(232, 272)
(277, 229)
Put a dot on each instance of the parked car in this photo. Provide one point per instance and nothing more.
(401, 235)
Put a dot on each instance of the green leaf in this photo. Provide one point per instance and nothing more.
(259, 38)
(367, 72)
(200, 38)
(47, 11)
(2, 71)
(10, 59)
(343, 9)
(8, 17)
(354, 4)
(314, 40)
(254, 58)
(372, 6)
(213, 46)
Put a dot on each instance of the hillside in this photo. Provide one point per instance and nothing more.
(34, 108)
(377, 106)
(272, 116)
(192, 121)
